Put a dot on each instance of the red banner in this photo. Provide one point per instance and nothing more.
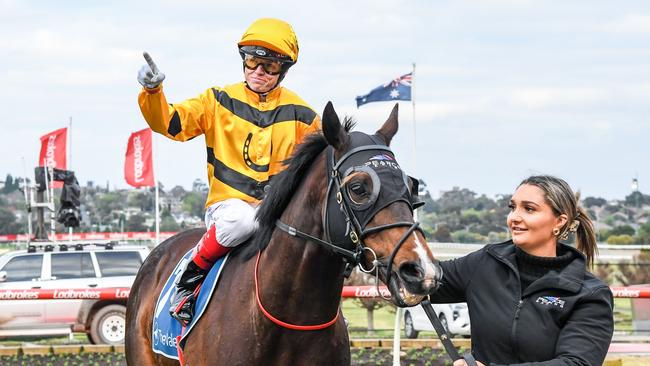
(117, 293)
(53, 149)
(138, 167)
(64, 237)
(631, 292)
(364, 291)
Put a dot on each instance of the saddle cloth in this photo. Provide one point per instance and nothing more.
(165, 328)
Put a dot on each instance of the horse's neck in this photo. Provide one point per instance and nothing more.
(304, 271)
(306, 280)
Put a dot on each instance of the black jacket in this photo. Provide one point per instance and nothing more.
(562, 318)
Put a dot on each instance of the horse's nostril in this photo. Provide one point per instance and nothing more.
(411, 272)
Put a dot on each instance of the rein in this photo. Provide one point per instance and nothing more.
(280, 322)
(444, 337)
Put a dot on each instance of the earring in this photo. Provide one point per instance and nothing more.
(556, 231)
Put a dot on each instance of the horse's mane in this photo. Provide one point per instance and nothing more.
(284, 185)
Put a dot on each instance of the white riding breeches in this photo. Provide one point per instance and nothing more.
(234, 221)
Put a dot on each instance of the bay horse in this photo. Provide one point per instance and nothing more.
(341, 201)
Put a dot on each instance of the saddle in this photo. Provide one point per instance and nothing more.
(168, 335)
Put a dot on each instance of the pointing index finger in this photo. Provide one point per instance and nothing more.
(149, 60)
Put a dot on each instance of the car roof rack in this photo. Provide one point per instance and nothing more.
(70, 246)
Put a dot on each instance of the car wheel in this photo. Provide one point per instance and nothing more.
(108, 325)
(445, 324)
(409, 329)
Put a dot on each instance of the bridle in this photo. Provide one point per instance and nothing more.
(344, 230)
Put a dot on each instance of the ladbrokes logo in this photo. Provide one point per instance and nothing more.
(76, 294)
(49, 153)
(121, 294)
(138, 164)
(159, 337)
(371, 292)
(625, 292)
(18, 295)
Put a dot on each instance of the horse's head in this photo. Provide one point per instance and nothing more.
(370, 203)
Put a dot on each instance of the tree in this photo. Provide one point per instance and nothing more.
(484, 203)
(643, 235)
(593, 201)
(358, 278)
(620, 239)
(167, 222)
(8, 222)
(456, 200)
(463, 236)
(637, 272)
(141, 199)
(194, 203)
(108, 202)
(136, 223)
(199, 186)
(637, 199)
(621, 230)
(442, 234)
(11, 185)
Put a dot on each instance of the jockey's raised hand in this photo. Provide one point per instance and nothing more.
(149, 75)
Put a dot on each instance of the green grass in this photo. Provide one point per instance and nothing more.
(384, 322)
(623, 314)
(357, 320)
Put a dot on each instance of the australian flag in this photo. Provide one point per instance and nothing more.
(397, 89)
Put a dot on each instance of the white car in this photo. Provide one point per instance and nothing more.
(454, 317)
(68, 267)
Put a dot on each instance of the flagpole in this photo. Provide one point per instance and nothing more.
(415, 165)
(398, 314)
(69, 150)
(155, 179)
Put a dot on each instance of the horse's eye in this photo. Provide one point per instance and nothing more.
(359, 191)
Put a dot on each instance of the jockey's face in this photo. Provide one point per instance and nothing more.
(259, 80)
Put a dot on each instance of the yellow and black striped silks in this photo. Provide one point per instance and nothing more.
(247, 138)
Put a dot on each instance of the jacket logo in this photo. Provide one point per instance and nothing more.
(247, 157)
(550, 301)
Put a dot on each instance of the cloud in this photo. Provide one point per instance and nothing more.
(631, 23)
(539, 98)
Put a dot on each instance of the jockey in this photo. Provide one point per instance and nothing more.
(250, 128)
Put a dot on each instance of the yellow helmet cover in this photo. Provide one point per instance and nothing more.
(274, 34)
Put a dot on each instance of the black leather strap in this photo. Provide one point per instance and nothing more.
(443, 336)
(469, 359)
(349, 255)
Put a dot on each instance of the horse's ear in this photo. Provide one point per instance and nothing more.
(334, 133)
(389, 129)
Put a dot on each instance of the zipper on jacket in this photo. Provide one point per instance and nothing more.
(514, 327)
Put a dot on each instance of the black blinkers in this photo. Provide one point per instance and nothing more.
(364, 181)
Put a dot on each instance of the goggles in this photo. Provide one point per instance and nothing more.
(270, 67)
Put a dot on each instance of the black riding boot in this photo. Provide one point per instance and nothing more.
(183, 299)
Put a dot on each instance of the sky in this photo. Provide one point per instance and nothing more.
(503, 89)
